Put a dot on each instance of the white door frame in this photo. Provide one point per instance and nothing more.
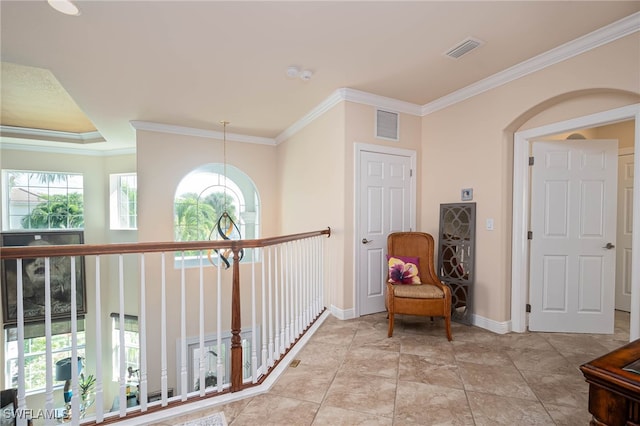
(381, 149)
(521, 205)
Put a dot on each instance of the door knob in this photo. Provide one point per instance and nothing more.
(365, 241)
(609, 246)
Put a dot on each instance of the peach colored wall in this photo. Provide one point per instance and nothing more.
(470, 145)
(312, 182)
(624, 132)
(316, 174)
(163, 160)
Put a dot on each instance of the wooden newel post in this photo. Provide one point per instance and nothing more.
(236, 340)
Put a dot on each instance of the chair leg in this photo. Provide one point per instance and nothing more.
(390, 333)
(447, 325)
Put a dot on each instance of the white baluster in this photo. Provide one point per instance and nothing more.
(21, 417)
(121, 349)
(47, 333)
(142, 323)
(98, 318)
(311, 315)
(321, 276)
(201, 369)
(273, 317)
(287, 295)
(317, 279)
(318, 271)
(75, 400)
(305, 285)
(276, 312)
(163, 333)
(283, 304)
(183, 331)
(264, 313)
(295, 272)
(254, 331)
(291, 323)
(219, 367)
(314, 287)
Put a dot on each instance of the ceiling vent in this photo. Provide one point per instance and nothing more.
(387, 125)
(464, 47)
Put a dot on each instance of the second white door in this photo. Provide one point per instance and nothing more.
(385, 202)
(573, 220)
(625, 232)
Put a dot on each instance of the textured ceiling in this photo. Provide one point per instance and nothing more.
(194, 63)
(32, 98)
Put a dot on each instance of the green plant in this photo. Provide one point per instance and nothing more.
(86, 385)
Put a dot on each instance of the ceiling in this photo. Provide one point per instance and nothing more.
(195, 63)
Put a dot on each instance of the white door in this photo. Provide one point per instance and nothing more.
(385, 206)
(573, 220)
(625, 230)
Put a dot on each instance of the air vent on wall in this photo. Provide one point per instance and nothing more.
(464, 47)
(386, 125)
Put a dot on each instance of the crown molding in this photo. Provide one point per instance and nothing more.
(335, 98)
(19, 146)
(597, 38)
(382, 102)
(51, 135)
(190, 131)
(350, 95)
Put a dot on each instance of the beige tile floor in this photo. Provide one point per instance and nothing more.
(350, 373)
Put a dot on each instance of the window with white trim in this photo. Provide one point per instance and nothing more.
(123, 201)
(205, 194)
(131, 347)
(35, 347)
(42, 200)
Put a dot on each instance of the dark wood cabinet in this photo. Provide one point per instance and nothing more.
(614, 393)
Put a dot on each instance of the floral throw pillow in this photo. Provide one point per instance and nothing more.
(403, 270)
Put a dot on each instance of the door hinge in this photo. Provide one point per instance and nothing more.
(530, 235)
(531, 161)
(528, 308)
(410, 172)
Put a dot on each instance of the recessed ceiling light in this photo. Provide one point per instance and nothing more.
(64, 6)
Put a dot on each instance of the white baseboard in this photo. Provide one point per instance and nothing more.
(342, 314)
(491, 325)
(482, 322)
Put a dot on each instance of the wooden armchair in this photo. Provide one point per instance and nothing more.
(429, 297)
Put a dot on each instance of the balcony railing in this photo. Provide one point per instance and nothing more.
(183, 295)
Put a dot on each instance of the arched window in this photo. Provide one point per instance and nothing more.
(205, 194)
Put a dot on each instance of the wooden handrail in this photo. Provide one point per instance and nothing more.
(148, 247)
(30, 252)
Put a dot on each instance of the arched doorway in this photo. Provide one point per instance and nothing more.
(521, 205)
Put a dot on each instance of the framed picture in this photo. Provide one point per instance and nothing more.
(33, 273)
